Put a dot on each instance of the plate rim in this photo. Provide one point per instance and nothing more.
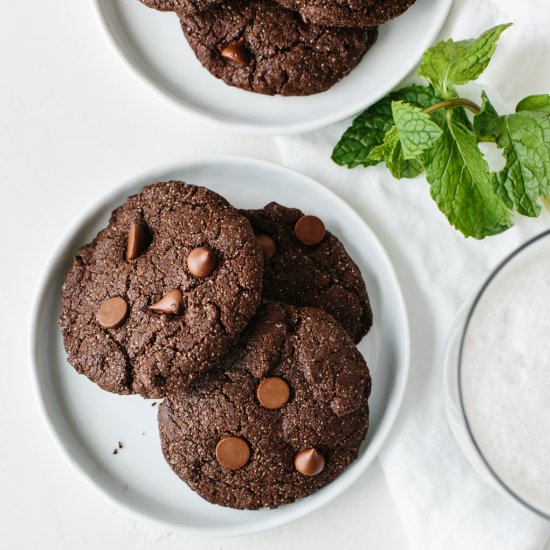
(40, 297)
(222, 123)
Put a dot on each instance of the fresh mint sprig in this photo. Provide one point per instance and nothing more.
(426, 129)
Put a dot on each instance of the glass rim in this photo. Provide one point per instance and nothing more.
(471, 310)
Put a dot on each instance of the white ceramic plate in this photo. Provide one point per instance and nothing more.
(88, 422)
(152, 42)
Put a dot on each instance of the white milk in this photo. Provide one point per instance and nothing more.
(505, 374)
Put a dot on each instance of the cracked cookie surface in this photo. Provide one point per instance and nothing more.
(348, 13)
(333, 13)
(174, 5)
(281, 54)
(181, 6)
(322, 276)
(153, 351)
(327, 410)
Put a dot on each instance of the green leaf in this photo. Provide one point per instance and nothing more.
(450, 63)
(370, 127)
(461, 183)
(538, 103)
(435, 65)
(383, 151)
(397, 131)
(487, 119)
(524, 138)
(391, 152)
(416, 130)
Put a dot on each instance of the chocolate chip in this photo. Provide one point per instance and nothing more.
(138, 240)
(309, 462)
(232, 452)
(268, 246)
(310, 230)
(170, 303)
(237, 51)
(201, 262)
(273, 393)
(112, 312)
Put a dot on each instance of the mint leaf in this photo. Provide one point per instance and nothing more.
(444, 143)
(461, 183)
(524, 138)
(383, 151)
(486, 121)
(538, 103)
(436, 62)
(450, 63)
(369, 128)
(416, 130)
(476, 58)
(391, 152)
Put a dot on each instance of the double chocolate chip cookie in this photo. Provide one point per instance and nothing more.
(305, 265)
(286, 47)
(260, 46)
(279, 418)
(336, 13)
(162, 292)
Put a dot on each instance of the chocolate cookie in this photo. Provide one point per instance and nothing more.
(337, 13)
(181, 6)
(262, 47)
(348, 13)
(305, 265)
(280, 418)
(162, 292)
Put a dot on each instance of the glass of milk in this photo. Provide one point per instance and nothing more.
(497, 376)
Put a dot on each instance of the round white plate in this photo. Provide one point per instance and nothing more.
(152, 42)
(88, 423)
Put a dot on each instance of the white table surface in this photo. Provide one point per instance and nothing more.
(74, 122)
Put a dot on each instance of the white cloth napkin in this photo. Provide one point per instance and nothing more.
(443, 502)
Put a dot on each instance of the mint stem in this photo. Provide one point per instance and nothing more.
(452, 103)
